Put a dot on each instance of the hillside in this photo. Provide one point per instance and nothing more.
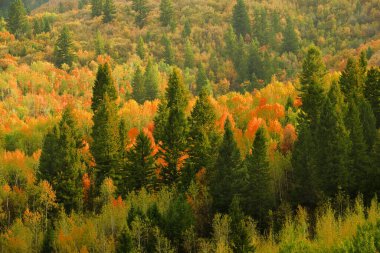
(190, 126)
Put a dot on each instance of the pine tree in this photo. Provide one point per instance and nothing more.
(372, 92)
(222, 177)
(169, 52)
(186, 29)
(142, 11)
(240, 19)
(109, 11)
(351, 80)
(64, 48)
(17, 22)
(189, 55)
(97, 7)
(290, 43)
(138, 86)
(375, 160)
(202, 80)
(231, 43)
(140, 50)
(60, 162)
(106, 141)
(171, 128)
(258, 191)
(167, 13)
(203, 138)
(151, 80)
(240, 61)
(99, 44)
(140, 165)
(368, 120)
(104, 83)
(335, 144)
(255, 62)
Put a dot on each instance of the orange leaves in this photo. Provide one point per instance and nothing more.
(118, 202)
(288, 138)
(252, 127)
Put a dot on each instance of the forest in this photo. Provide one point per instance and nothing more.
(210, 126)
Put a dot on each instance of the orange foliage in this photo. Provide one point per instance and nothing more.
(288, 138)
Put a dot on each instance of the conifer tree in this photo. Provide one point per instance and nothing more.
(171, 128)
(189, 55)
(255, 63)
(240, 19)
(138, 86)
(372, 92)
(151, 80)
(142, 11)
(290, 43)
(202, 80)
(96, 7)
(258, 191)
(104, 83)
(335, 144)
(109, 11)
(140, 50)
(240, 61)
(17, 22)
(231, 43)
(99, 44)
(167, 13)
(203, 138)
(106, 146)
(374, 187)
(351, 79)
(222, 177)
(368, 121)
(186, 29)
(140, 164)
(64, 48)
(169, 52)
(60, 162)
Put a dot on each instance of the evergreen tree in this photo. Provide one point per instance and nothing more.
(351, 79)
(60, 162)
(186, 29)
(140, 165)
(231, 43)
(167, 13)
(171, 128)
(17, 22)
(359, 158)
(138, 86)
(99, 44)
(109, 11)
(104, 83)
(151, 80)
(202, 80)
(374, 187)
(372, 92)
(368, 120)
(258, 192)
(106, 141)
(240, 61)
(335, 144)
(262, 30)
(168, 50)
(290, 43)
(142, 11)
(64, 48)
(203, 138)
(222, 177)
(240, 19)
(255, 63)
(189, 55)
(140, 50)
(97, 7)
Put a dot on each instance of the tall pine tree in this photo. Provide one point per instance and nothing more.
(104, 83)
(109, 11)
(202, 80)
(290, 43)
(240, 19)
(372, 92)
(151, 80)
(142, 11)
(17, 22)
(189, 55)
(167, 13)
(138, 86)
(168, 50)
(64, 48)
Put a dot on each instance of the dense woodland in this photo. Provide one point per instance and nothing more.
(190, 126)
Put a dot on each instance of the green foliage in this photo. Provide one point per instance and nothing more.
(372, 92)
(96, 7)
(104, 83)
(142, 12)
(186, 29)
(189, 56)
(17, 19)
(291, 42)
(351, 79)
(202, 80)
(99, 44)
(167, 13)
(109, 11)
(168, 51)
(138, 85)
(240, 19)
(151, 81)
(64, 51)
(140, 50)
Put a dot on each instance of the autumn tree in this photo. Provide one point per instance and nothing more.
(240, 19)
(372, 92)
(151, 81)
(223, 175)
(64, 51)
(171, 129)
(258, 192)
(96, 7)
(17, 22)
(167, 13)
(140, 164)
(142, 11)
(109, 11)
(138, 86)
(60, 162)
